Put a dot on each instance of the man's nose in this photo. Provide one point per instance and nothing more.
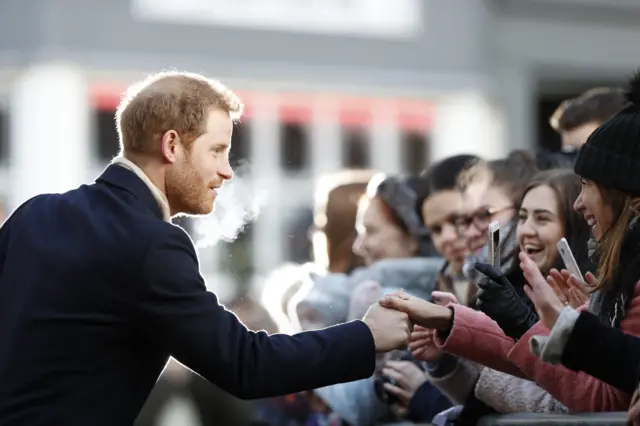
(226, 172)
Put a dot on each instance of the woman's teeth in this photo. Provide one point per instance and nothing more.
(532, 249)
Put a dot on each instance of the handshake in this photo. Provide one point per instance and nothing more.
(392, 318)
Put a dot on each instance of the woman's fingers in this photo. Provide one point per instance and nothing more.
(591, 279)
(418, 344)
(565, 274)
(556, 288)
(578, 298)
(560, 285)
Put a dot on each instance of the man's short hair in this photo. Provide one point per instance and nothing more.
(593, 106)
(170, 100)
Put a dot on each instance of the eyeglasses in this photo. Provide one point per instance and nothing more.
(480, 218)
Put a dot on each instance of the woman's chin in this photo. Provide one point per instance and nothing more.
(540, 260)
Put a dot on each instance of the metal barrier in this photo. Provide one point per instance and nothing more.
(534, 419)
(531, 419)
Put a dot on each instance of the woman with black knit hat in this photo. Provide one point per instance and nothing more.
(610, 202)
(609, 165)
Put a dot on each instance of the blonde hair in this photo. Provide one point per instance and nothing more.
(170, 100)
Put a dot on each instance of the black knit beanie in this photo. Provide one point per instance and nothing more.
(611, 155)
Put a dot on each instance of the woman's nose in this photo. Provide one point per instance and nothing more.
(578, 204)
(526, 228)
(358, 246)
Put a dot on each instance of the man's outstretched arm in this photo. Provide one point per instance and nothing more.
(174, 309)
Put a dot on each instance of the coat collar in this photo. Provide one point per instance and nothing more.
(134, 181)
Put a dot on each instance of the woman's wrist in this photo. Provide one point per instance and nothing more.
(442, 318)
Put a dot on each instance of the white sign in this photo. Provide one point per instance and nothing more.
(373, 18)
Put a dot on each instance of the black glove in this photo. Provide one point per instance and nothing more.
(498, 299)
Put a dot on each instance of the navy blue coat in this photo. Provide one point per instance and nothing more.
(97, 291)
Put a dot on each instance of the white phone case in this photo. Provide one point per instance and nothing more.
(568, 259)
(494, 244)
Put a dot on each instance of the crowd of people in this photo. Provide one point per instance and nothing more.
(527, 336)
(100, 290)
(520, 336)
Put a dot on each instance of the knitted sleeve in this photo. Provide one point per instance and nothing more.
(459, 382)
(509, 394)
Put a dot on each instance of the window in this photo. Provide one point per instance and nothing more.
(4, 135)
(107, 136)
(298, 224)
(547, 137)
(294, 147)
(356, 148)
(414, 152)
(240, 144)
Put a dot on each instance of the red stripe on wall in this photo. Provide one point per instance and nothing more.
(297, 108)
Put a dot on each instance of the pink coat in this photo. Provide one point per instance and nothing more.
(478, 338)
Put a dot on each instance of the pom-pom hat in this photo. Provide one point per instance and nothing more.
(611, 155)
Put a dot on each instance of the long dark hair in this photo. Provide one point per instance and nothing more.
(566, 186)
(624, 207)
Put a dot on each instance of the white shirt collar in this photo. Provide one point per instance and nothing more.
(160, 198)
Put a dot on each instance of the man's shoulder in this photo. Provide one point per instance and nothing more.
(167, 236)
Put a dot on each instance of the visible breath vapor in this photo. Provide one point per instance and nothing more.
(238, 203)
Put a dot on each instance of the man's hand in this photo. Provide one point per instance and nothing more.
(390, 328)
(421, 312)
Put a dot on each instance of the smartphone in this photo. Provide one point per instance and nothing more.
(494, 244)
(568, 259)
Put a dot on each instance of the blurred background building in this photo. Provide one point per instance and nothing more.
(383, 84)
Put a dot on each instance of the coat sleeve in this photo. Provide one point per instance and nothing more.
(579, 391)
(478, 338)
(603, 352)
(427, 402)
(508, 394)
(176, 312)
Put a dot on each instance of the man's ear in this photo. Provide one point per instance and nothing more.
(169, 144)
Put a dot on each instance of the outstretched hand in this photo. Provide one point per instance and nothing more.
(544, 298)
(421, 312)
(390, 328)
